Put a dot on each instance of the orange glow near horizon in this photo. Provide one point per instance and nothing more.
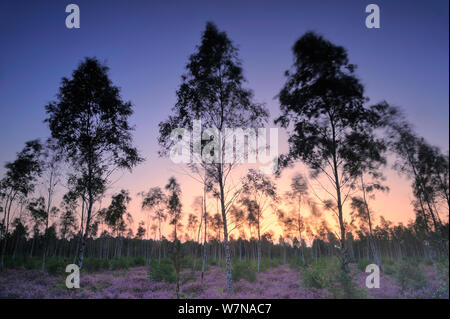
(394, 205)
(146, 47)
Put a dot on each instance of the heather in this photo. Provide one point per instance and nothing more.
(321, 279)
(56, 265)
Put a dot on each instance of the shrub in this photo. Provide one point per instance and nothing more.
(388, 261)
(15, 263)
(243, 270)
(320, 274)
(389, 269)
(294, 263)
(163, 271)
(346, 288)
(120, 263)
(56, 266)
(327, 274)
(212, 262)
(389, 266)
(95, 264)
(409, 275)
(442, 270)
(363, 263)
(188, 277)
(188, 263)
(198, 265)
(139, 261)
(267, 263)
(428, 262)
(32, 263)
(315, 277)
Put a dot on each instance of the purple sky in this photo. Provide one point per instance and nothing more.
(146, 44)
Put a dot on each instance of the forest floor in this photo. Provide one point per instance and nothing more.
(281, 282)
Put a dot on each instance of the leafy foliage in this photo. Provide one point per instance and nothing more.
(331, 129)
(363, 263)
(243, 270)
(326, 274)
(56, 265)
(89, 126)
(95, 264)
(120, 263)
(409, 275)
(162, 271)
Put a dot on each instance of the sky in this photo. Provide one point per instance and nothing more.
(146, 44)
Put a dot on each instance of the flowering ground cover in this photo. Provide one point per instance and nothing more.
(281, 282)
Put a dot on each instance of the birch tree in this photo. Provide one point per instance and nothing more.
(426, 166)
(298, 197)
(90, 123)
(174, 212)
(19, 181)
(155, 201)
(116, 216)
(323, 107)
(258, 194)
(212, 91)
(52, 173)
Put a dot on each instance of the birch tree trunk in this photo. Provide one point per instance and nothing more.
(371, 241)
(225, 232)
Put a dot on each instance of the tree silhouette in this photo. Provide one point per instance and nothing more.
(212, 91)
(297, 197)
(426, 166)
(173, 204)
(140, 233)
(51, 170)
(174, 211)
(68, 221)
(258, 193)
(19, 181)
(38, 214)
(19, 234)
(155, 200)
(89, 122)
(322, 103)
(116, 215)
